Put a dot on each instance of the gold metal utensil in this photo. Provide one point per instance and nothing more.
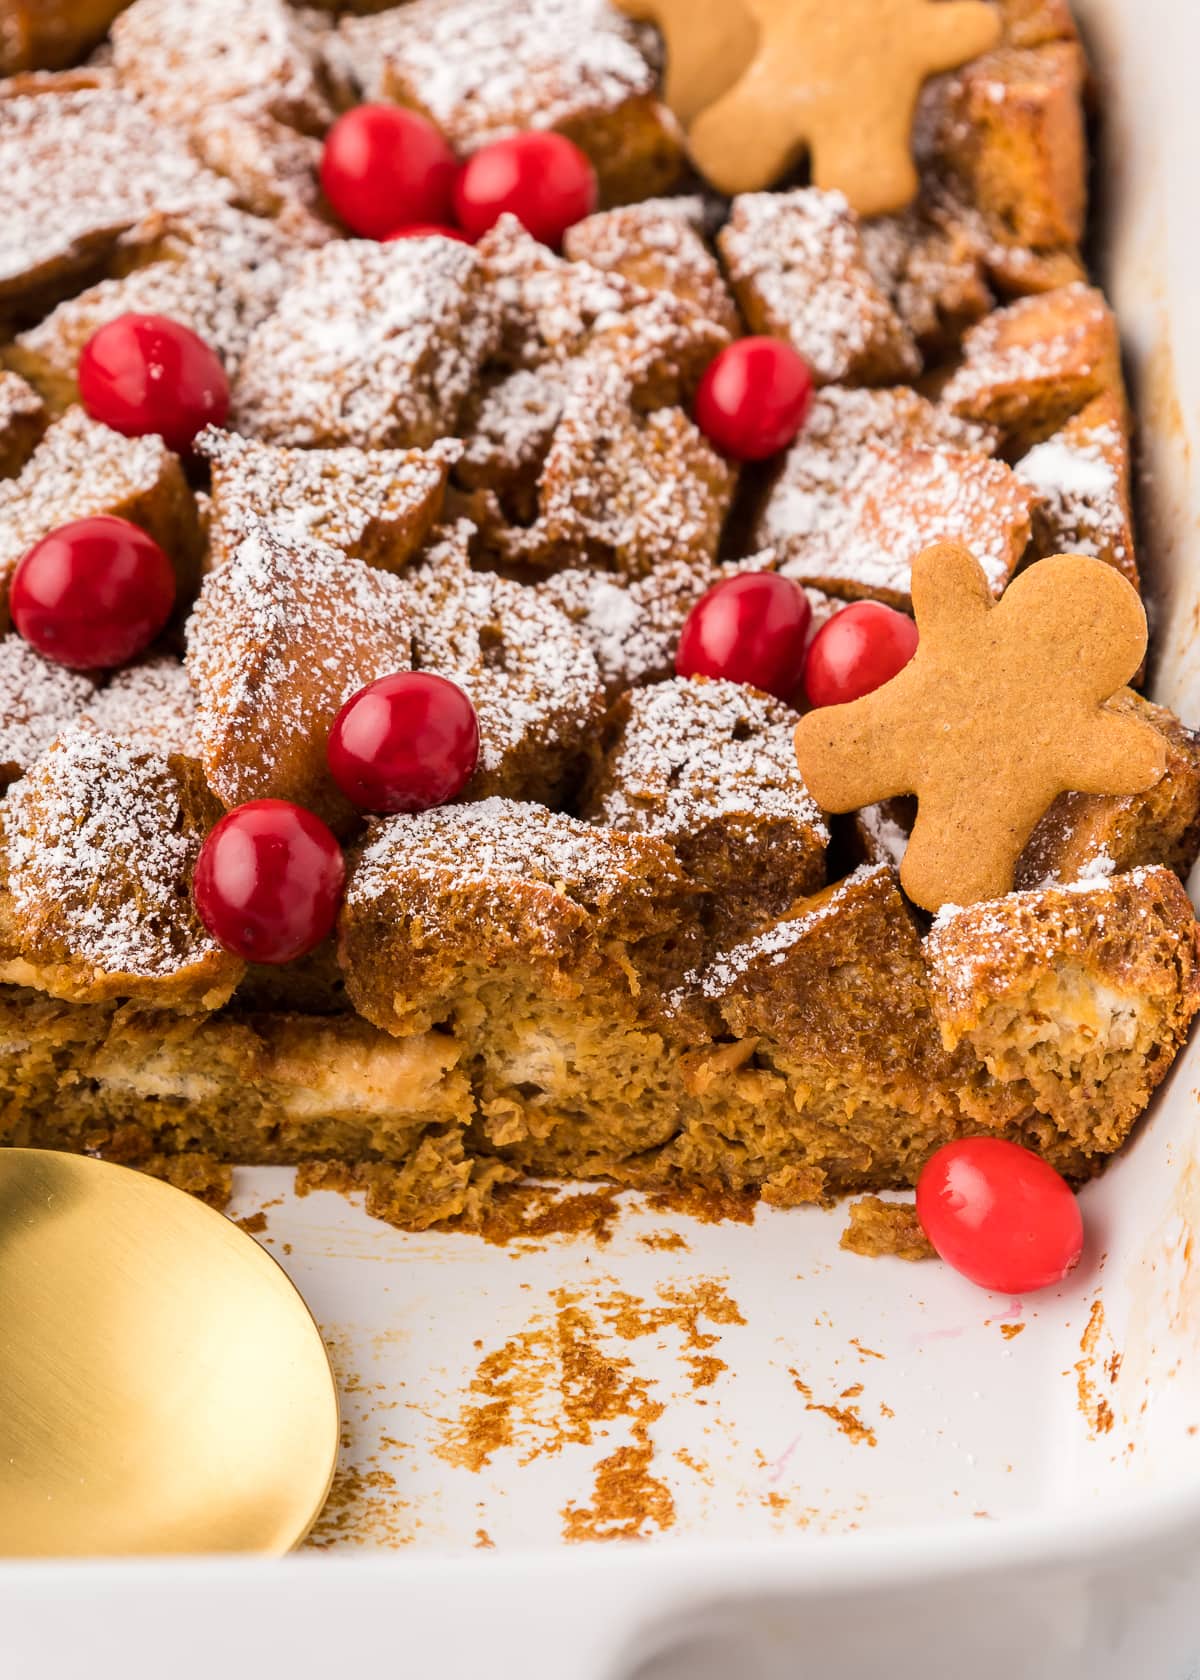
(163, 1388)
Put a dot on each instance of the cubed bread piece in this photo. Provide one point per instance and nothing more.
(217, 299)
(1093, 835)
(711, 768)
(799, 271)
(1008, 128)
(80, 165)
(623, 490)
(1031, 23)
(48, 34)
(1028, 368)
(660, 245)
(98, 846)
(852, 525)
(184, 59)
(632, 624)
(280, 637)
(484, 69)
(81, 468)
(150, 705)
(531, 675)
(882, 831)
(481, 915)
(378, 506)
(507, 427)
(272, 169)
(22, 422)
(371, 345)
(1075, 1000)
(932, 271)
(876, 1227)
(1012, 269)
(38, 699)
(1081, 477)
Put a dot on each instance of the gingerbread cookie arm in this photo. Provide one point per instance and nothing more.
(1120, 755)
(746, 139)
(956, 30)
(1073, 612)
(854, 755)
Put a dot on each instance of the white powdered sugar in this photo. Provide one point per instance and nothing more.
(150, 705)
(887, 840)
(486, 68)
(38, 699)
(1079, 480)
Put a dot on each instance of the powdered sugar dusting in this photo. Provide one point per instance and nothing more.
(150, 705)
(37, 699)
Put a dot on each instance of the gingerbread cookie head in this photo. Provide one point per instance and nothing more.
(756, 83)
(1000, 710)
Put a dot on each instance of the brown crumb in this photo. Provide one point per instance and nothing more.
(877, 1227)
(867, 1353)
(531, 1211)
(708, 1204)
(325, 1175)
(1096, 1411)
(362, 1510)
(663, 1240)
(254, 1224)
(202, 1176)
(627, 1501)
(483, 1540)
(1008, 1331)
(846, 1418)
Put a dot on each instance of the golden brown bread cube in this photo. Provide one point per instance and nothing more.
(371, 345)
(710, 767)
(660, 245)
(491, 917)
(38, 700)
(378, 507)
(81, 163)
(80, 469)
(22, 422)
(932, 270)
(571, 65)
(1075, 1000)
(531, 675)
(1095, 835)
(881, 831)
(1081, 477)
(49, 34)
(150, 705)
(99, 842)
(281, 635)
(876, 1227)
(1008, 130)
(799, 271)
(1029, 367)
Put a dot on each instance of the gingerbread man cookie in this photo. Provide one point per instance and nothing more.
(757, 82)
(1000, 710)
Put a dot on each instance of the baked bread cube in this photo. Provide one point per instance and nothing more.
(81, 164)
(710, 768)
(491, 918)
(1012, 270)
(22, 422)
(1008, 129)
(281, 635)
(1081, 478)
(378, 507)
(98, 842)
(81, 468)
(272, 170)
(1028, 368)
(38, 700)
(623, 490)
(531, 675)
(1074, 1000)
(507, 428)
(660, 245)
(933, 272)
(799, 271)
(1086, 835)
(572, 65)
(48, 34)
(372, 345)
(881, 831)
(150, 705)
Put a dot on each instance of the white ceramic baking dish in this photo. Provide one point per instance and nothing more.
(973, 1500)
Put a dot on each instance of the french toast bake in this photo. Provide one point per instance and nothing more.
(633, 948)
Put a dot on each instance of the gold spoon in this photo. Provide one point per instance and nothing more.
(163, 1387)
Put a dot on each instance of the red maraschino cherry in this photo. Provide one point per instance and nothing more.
(1000, 1215)
(93, 594)
(404, 743)
(748, 629)
(541, 178)
(268, 881)
(384, 167)
(147, 374)
(856, 651)
(754, 398)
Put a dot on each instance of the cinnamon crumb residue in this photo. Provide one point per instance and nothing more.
(663, 1240)
(362, 1510)
(529, 1212)
(627, 1501)
(847, 1418)
(709, 1206)
(1096, 1410)
(1008, 1331)
(483, 1540)
(867, 1353)
(254, 1224)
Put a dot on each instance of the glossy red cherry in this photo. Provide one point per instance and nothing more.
(541, 178)
(748, 629)
(92, 594)
(754, 398)
(427, 230)
(143, 374)
(1000, 1215)
(857, 651)
(384, 167)
(269, 880)
(404, 743)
